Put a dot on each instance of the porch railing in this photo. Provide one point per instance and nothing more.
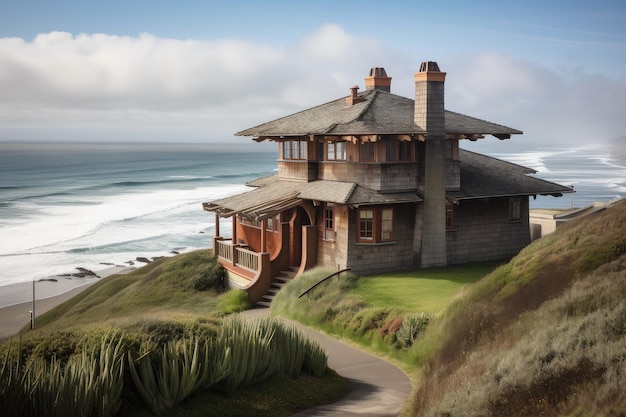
(224, 249)
(238, 255)
(246, 258)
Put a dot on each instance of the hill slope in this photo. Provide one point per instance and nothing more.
(543, 335)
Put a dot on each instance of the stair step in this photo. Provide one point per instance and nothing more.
(277, 283)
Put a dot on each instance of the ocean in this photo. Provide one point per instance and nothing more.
(64, 206)
(69, 205)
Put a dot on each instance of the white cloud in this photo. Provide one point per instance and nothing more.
(144, 87)
(549, 106)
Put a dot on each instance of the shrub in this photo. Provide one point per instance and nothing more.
(233, 301)
(411, 327)
(211, 278)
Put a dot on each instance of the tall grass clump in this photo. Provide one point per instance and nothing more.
(182, 368)
(321, 304)
(264, 348)
(233, 301)
(88, 384)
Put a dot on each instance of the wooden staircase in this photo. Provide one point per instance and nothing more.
(277, 283)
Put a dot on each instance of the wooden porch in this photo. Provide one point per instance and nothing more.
(254, 271)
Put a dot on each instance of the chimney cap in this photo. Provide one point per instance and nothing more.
(429, 66)
(378, 72)
(378, 80)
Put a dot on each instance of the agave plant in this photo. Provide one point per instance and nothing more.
(183, 367)
(249, 346)
(315, 360)
(89, 384)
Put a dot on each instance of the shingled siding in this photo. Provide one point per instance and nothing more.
(331, 253)
(297, 170)
(367, 259)
(398, 176)
(483, 231)
(453, 175)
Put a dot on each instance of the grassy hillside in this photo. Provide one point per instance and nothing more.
(543, 335)
(158, 341)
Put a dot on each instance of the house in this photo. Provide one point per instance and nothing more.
(376, 182)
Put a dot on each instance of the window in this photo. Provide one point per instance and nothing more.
(272, 224)
(397, 150)
(329, 221)
(287, 149)
(366, 224)
(294, 149)
(248, 222)
(375, 225)
(367, 151)
(515, 208)
(391, 149)
(449, 216)
(336, 151)
(404, 151)
(386, 225)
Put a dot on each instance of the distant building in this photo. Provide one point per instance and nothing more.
(376, 182)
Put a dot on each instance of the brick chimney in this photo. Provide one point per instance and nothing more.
(430, 115)
(429, 98)
(354, 98)
(378, 80)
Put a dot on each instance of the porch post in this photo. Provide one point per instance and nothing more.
(263, 235)
(217, 224)
(234, 230)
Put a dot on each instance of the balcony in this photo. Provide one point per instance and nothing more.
(246, 269)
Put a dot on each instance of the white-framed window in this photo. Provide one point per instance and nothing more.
(294, 149)
(329, 221)
(336, 151)
(375, 224)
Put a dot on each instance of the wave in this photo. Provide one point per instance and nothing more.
(117, 186)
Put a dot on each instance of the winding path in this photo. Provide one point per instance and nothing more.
(379, 389)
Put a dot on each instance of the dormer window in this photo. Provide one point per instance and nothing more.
(367, 152)
(396, 150)
(294, 149)
(336, 151)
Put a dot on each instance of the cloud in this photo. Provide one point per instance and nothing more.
(561, 107)
(105, 81)
(149, 88)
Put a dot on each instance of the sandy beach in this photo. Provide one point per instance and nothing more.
(16, 299)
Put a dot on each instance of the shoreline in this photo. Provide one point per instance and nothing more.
(16, 299)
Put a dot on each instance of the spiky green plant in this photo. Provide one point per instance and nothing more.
(249, 344)
(412, 325)
(89, 384)
(184, 367)
(315, 360)
(13, 399)
(288, 348)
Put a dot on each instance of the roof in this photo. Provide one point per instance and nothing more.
(380, 113)
(273, 195)
(483, 176)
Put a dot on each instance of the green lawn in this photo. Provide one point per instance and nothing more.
(428, 290)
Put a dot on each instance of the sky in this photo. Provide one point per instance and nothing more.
(200, 71)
